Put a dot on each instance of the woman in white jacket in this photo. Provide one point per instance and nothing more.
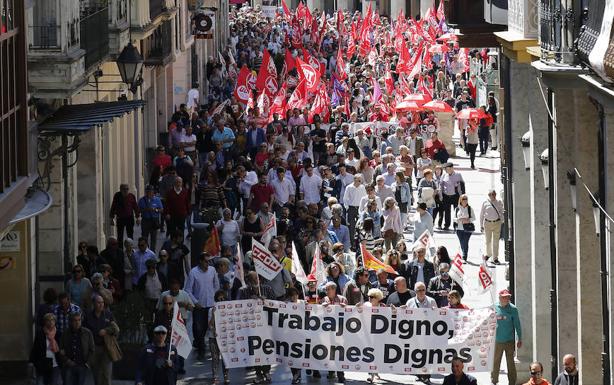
(464, 216)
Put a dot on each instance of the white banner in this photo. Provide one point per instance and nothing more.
(377, 128)
(266, 264)
(362, 339)
(180, 338)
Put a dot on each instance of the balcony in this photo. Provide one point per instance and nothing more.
(559, 29)
(94, 30)
(157, 49)
(468, 17)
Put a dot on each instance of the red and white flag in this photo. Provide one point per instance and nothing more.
(485, 278)
(424, 240)
(266, 264)
(457, 272)
(243, 89)
(267, 76)
(297, 99)
(297, 267)
(180, 338)
(317, 266)
(270, 231)
(308, 74)
(239, 272)
(341, 66)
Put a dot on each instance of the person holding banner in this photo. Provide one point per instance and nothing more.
(440, 286)
(454, 300)
(216, 355)
(156, 366)
(509, 337)
(376, 299)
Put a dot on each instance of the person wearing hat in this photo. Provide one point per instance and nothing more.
(156, 367)
(150, 206)
(508, 338)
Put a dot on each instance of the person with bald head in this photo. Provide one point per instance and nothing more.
(570, 374)
(402, 293)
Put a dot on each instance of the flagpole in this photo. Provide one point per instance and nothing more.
(170, 340)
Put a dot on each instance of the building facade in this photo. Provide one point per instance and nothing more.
(557, 113)
(72, 131)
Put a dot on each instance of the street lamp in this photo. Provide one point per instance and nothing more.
(545, 173)
(571, 177)
(130, 64)
(526, 149)
(596, 213)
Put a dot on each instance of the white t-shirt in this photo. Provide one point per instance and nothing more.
(193, 97)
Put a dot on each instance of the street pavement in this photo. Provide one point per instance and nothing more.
(478, 182)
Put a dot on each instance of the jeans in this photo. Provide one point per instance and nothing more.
(483, 134)
(352, 218)
(176, 223)
(200, 324)
(463, 238)
(74, 375)
(126, 224)
(500, 348)
(52, 377)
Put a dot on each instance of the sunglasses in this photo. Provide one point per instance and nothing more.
(420, 289)
(372, 296)
(168, 303)
(536, 373)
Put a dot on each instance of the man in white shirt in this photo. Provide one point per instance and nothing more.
(193, 97)
(351, 199)
(491, 216)
(345, 179)
(247, 180)
(202, 283)
(311, 185)
(397, 141)
(285, 189)
(421, 300)
(188, 141)
(351, 160)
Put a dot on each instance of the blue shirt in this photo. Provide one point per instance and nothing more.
(508, 323)
(222, 136)
(343, 236)
(153, 203)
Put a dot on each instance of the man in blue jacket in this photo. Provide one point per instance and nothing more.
(155, 366)
(509, 336)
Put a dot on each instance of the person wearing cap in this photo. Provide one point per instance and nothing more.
(508, 338)
(202, 283)
(491, 217)
(150, 206)
(154, 365)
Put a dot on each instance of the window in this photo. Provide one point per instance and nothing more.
(7, 16)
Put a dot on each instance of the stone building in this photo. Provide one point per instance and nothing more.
(72, 130)
(557, 111)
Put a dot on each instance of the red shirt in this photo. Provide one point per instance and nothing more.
(124, 207)
(177, 205)
(162, 161)
(261, 194)
(431, 146)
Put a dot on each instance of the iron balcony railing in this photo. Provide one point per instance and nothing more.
(45, 37)
(159, 46)
(95, 35)
(592, 12)
(560, 22)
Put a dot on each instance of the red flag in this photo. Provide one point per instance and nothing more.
(404, 58)
(213, 245)
(389, 80)
(308, 74)
(372, 263)
(267, 77)
(279, 103)
(297, 100)
(441, 14)
(308, 18)
(340, 24)
(341, 66)
(287, 12)
(321, 104)
(317, 266)
(351, 48)
(242, 88)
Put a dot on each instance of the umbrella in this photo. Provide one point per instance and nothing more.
(438, 48)
(407, 105)
(438, 106)
(448, 36)
(470, 113)
(418, 98)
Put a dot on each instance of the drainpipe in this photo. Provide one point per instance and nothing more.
(603, 244)
(67, 261)
(507, 173)
(554, 337)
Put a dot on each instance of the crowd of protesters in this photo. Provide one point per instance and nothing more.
(334, 184)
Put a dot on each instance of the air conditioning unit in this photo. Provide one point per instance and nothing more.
(495, 11)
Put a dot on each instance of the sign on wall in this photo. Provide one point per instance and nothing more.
(204, 24)
(11, 242)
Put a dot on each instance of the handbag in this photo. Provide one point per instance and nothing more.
(112, 347)
(469, 226)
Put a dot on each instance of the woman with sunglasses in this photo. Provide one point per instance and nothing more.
(78, 285)
(464, 216)
(376, 297)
